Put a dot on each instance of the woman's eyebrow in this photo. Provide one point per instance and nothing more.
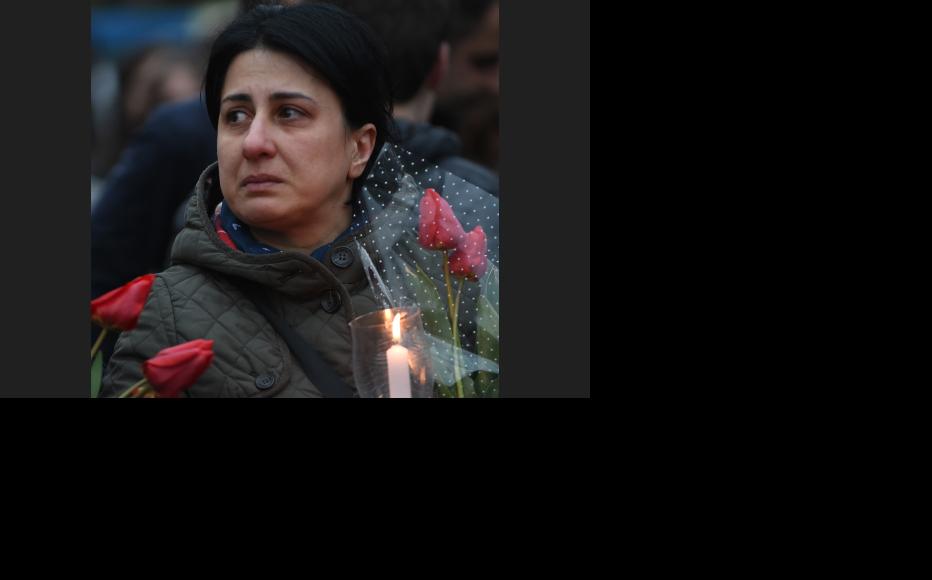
(277, 96)
(239, 97)
(282, 95)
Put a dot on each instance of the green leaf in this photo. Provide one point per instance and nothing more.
(96, 372)
(469, 390)
(442, 391)
(487, 324)
(436, 324)
(441, 359)
(433, 308)
(487, 339)
(490, 286)
(449, 392)
(487, 385)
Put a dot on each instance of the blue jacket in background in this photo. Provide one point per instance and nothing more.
(132, 224)
(442, 146)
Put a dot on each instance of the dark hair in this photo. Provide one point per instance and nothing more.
(337, 45)
(412, 31)
(467, 17)
(247, 5)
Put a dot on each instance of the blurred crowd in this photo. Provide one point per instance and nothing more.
(147, 53)
(144, 54)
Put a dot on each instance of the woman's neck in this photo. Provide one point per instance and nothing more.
(308, 236)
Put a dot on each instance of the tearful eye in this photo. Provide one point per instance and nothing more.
(235, 116)
(290, 113)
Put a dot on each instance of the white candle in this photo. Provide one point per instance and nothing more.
(399, 380)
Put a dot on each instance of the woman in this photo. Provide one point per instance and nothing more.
(301, 103)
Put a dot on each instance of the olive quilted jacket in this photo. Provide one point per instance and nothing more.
(197, 297)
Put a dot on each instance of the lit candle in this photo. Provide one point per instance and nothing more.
(399, 380)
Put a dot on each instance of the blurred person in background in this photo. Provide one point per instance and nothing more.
(132, 217)
(133, 214)
(468, 97)
(415, 34)
(166, 149)
(139, 83)
(156, 75)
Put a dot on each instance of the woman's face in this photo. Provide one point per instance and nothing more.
(286, 156)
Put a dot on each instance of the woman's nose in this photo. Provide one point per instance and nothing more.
(258, 142)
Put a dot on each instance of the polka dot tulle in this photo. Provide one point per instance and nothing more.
(403, 273)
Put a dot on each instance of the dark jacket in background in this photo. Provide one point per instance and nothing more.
(131, 225)
(442, 146)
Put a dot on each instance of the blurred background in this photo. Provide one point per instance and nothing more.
(144, 53)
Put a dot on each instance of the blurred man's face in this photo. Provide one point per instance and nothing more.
(474, 60)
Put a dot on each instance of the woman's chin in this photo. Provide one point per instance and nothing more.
(259, 213)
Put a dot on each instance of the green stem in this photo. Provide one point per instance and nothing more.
(133, 388)
(453, 328)
(100, 340)
(457, 358)
(446, 277)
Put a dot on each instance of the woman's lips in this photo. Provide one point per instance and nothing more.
(254, 186)
(260, 182)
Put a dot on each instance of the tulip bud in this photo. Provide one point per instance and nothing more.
(468, 260)
(176, 368)
(438, 228)
(120, 308)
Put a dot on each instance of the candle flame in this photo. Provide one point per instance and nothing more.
(396, 329)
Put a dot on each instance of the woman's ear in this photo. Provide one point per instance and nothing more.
(363, 143)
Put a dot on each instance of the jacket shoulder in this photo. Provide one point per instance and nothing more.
(470, 171)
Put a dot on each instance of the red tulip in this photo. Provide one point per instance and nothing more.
(174, 369)
(120, 308)
(438, 229)
(469, 257)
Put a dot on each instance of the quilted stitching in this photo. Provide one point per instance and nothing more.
(195, 299)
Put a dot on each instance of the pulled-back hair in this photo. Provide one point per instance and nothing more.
(341, 49)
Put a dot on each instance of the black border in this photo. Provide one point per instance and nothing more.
(46, 206)
(544, 165)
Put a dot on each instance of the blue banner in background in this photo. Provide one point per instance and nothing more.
(118, 30)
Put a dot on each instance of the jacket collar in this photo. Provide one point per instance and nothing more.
(291, 273)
